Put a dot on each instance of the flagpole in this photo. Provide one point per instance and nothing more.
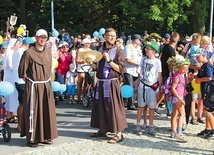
(211, 19)
(52, 15)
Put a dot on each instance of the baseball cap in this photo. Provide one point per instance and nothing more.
(136, 36)
(200, 51)
(41, 32)
(167, 35)
(27, 40)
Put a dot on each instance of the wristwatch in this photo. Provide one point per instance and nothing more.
(109, 61)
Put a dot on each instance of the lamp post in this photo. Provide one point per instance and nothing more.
(211, 19)
(52, 15)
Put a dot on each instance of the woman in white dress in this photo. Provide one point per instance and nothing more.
(11, 100)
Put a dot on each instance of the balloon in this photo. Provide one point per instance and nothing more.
(127, 91)
(102, 31)
(55, 86)
(20, 30)
(95, 34)
(55, 33)
(196, 86)
(6, 88)
(62, 88)
(56, 63)
(169, 105)
(1, 40)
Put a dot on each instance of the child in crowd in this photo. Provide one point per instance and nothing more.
(205, 78)
(70, 83)
(180, 65)
(149, 76)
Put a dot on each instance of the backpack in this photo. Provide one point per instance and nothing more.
(166, 88)
(209, 97)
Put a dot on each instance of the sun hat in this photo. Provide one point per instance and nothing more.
(86, 41)
(27, 40)
(178, 61)
(136, 36)
(94, 55)
(153, 45)
(41, 32)
(200, 51)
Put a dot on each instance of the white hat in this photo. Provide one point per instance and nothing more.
(41, 32)
(63, 44)
(93, 40)
(86, 41)
(190, 38)
(94, 55)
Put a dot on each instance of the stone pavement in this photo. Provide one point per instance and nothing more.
(74, 128)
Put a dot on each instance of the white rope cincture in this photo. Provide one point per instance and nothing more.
(31, 104)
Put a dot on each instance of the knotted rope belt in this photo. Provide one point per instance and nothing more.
(31, 104)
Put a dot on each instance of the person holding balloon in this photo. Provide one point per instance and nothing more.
(39, 123)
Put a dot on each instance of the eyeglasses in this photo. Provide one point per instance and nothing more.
(148, 48)
(113, 36)
(64, 46)
(43, 37)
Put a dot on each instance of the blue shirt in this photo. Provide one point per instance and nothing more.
(206, 70)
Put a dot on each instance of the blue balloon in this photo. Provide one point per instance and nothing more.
(55, 33)
(55, 86)
(102, 31)
(6, 88)
(169, 105)
(95, 34)
(62, 88)
(127, 91)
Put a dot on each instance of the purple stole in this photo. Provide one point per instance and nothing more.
(106, 77)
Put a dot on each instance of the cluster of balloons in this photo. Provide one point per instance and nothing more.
(96, 34)
(6, 88)
(57, 87)
(1, 40)
(127, 91)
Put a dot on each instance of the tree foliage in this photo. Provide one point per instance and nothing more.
(131, 16)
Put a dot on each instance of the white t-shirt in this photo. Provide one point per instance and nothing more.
(149, 70)
(135, 54)
(15, 64)
(83, 67)
(71, 77)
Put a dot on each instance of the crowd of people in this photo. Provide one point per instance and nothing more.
(143, 62)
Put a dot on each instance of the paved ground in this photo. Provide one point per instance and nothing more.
(73, 127)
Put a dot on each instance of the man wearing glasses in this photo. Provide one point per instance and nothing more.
(39, 115)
